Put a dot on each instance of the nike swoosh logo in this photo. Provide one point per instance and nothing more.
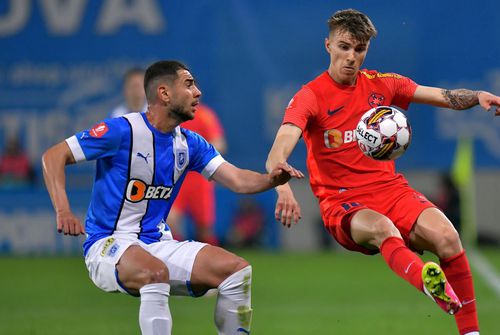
(466, 302)
(242, 330)
(408, 267)
(331, 112)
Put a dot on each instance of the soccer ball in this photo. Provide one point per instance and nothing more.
(383, 133)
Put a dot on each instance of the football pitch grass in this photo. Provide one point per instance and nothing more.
(293, 293)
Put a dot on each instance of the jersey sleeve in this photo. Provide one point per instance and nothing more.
(403, 89)
(204, 159)
(102, 140)
(302, 106)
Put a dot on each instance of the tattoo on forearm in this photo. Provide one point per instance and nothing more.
(460, 98)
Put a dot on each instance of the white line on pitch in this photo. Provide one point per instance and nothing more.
(486, 270)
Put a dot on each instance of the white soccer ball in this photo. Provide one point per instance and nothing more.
(383, 133)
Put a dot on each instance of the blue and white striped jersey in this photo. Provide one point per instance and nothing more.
(139, 171)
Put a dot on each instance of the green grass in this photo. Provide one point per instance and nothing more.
(293, 293)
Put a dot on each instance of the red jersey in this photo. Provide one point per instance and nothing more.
(328, 113)
(205, 123)
(197, 195)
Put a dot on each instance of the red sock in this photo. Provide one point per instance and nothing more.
(403, 261)
(458, 273)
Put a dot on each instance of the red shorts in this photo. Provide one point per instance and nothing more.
(197, 199)
(397, 200)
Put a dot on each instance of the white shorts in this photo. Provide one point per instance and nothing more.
(179, 257)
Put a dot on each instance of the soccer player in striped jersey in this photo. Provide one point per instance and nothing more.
(366, 206)
(142, 159)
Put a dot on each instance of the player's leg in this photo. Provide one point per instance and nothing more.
(139, 272)
(215, 267)
(434, 232)
(373, 230)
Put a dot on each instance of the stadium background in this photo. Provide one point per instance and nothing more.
(61, 65)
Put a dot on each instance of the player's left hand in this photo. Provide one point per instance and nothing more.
(488, 101)
(287, 210)
(282, 173)
(69, 224)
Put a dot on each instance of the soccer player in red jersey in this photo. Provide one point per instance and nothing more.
(365, 205)
(197, 197)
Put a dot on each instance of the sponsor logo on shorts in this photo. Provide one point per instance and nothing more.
(107, 244)
(137, 190)
(347, 206)
(113, 249)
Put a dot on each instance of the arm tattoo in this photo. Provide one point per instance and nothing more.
(460, 98)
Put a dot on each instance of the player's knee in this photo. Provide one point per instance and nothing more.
(448, 243)
(383, 228)
(240, 264)
(154, 274)
(234, 265)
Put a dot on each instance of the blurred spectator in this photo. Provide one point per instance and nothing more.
(133, 94)
(448, 200)
(197, 195)
(15, 167)
(248, 224)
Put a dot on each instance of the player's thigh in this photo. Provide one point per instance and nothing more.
(137, 267)
(212, 265)
(370, 228)
(434, 232)
(179, 257)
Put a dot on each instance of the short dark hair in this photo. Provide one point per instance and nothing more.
(161, 70)
(354, 22)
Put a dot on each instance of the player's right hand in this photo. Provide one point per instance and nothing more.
(287, 208)
(283, 172)
(69, 224)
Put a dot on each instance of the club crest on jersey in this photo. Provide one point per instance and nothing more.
(181, 159)
(376, 99)
(99, 130)
(137, 190)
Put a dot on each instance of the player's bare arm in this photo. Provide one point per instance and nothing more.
(461, 98)
(458, 99)
(54, 161)
(287, 209)
(248, 182)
